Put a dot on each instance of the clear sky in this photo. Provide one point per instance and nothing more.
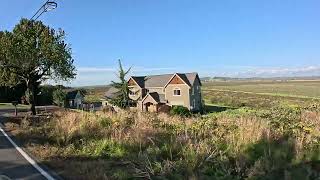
(215, 38)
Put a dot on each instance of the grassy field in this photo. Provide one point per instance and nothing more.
(302, 89)
(95, 93)
(261, 94)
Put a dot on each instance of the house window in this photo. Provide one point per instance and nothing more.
(177, 92)
(132, 93)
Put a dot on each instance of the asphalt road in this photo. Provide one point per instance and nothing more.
(12, 163)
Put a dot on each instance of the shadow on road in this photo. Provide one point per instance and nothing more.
(19, 171)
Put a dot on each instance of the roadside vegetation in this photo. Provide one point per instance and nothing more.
(280, 143)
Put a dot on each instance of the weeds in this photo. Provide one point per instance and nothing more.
(238, 144)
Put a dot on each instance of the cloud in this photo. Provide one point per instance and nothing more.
(94, 69)
(143, 69)
(280, 71)
(114, 69)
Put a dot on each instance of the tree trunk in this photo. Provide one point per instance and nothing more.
(33, 108)
(32, 96)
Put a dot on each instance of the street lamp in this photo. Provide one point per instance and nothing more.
(47, 6)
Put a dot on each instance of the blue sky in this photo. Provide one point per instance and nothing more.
(215, 38)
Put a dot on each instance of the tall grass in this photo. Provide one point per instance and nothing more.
(273, 144)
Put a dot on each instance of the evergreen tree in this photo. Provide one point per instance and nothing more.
(122, 99)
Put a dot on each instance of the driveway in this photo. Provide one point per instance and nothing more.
(12, 163)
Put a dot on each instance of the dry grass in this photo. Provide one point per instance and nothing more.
(149, 146)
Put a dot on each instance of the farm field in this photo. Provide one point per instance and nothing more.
(303, 89)
(261, 94)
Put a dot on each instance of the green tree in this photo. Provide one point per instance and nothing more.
(7, 78)
(122, 98)
(59, 97)
(32, 53)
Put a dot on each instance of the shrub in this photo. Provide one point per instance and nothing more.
(108, 109)
(59, 97)
(105, 122)
(180, 111)
(284, 118)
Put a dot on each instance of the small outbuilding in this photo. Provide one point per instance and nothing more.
(75, 99)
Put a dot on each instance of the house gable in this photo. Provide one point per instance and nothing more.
(79, 95)
(149, 98)
(176, 79)
(132, 82)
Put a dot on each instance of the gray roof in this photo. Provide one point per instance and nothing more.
(72, 94)
(158, 97)
(111, 93)
(139, 80)
(162, 80)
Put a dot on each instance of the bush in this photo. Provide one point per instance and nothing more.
(108, 109)
(180, 111)
(59, 97)
(284, 118)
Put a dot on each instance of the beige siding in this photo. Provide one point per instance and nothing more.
(155, 89)
(183, 99)
(149, 104)
(138, 91)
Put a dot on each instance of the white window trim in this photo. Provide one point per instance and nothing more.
(175, 90)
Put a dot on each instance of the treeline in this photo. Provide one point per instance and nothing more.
(17, 93)
(9, 94)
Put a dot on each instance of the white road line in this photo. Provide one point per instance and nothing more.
(26, 156)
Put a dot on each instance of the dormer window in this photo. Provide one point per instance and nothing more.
(177, 92)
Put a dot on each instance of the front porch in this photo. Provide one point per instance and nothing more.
(152, 102)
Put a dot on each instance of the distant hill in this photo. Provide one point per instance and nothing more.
(94, 87)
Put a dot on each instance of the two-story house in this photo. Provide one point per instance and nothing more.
(153, 92)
